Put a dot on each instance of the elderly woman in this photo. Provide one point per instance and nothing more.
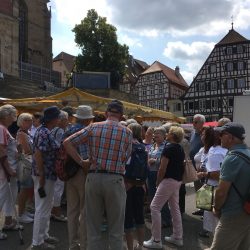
(24, 139)
(169, 180)
(8, 164)
(134, 216)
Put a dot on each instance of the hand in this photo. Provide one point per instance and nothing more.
(41, 181)
(217, 213)
(201, 174)
(12, 172)
(151, 161)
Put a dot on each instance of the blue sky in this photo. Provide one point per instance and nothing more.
(174, 32)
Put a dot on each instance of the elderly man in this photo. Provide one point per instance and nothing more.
(195, 145)
(233, 229)
(75, 187)
(110, 146)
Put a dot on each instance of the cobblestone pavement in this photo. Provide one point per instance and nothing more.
(191, 224)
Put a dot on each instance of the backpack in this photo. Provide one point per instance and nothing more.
(65, 166)
(137, 169)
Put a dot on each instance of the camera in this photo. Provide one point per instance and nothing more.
(41, 192)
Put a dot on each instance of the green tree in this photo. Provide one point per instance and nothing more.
(100, 48)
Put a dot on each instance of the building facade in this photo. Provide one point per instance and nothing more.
(64, 63)
(25, 35)
(225, 74)
(160, 87)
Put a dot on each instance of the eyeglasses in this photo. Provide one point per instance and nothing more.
(196, 122)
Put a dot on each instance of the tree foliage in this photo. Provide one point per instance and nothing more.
(100, 48)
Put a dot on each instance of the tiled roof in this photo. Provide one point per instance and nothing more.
(231, 38)
(168, 72)
(67, 59)
(143, 64)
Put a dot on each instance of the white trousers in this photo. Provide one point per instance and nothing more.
(58, 191)
(43, 208)
(11, 196)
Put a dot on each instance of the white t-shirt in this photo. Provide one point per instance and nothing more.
(215, 157)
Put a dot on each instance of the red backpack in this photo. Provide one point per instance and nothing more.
(65, 166)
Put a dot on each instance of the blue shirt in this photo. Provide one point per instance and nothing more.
(236, 170)
(195, 145)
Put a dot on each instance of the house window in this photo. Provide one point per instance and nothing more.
(240, 49)
(144, 92)
(230, 83)
(213, 68)
(202, 86)
(230, 66)
(230, 101)
(152, 90)
(214, 85)
(177, 107)
(160, 90)
(214, 103)
(241, 83)
(229, 51)
(190, 105)
(202, 104)
(240, 65)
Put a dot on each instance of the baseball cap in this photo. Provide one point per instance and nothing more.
(233, 128)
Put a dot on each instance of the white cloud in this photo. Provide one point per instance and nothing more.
(131, 42)
(73, 11)
(191, 55)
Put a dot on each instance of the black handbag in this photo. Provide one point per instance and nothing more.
(71, 167)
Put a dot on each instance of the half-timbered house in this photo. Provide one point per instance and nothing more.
(225, 74)
(159, 84)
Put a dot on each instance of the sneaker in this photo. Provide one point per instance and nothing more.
(24, 218)
(31, 215)
(3, 236)
(177, 242)
(138, 247)
(51, 240)
(43, 246)
(60, 218)
(152, 244)
(12, 227)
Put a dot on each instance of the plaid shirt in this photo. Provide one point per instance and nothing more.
(110, 145)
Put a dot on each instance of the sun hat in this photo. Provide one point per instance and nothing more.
(84, 112)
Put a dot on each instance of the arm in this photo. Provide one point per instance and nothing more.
(162, 170)
(72, 151)
(4, 161)
(23, 140)
(221, 196)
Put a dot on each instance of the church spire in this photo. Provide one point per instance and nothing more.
(232, 23)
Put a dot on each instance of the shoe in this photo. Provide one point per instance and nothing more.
(172, 240)
(204, 234)
(31, 215)
(43, 246)
(3, 236)
(60, 218)
(198, 212)
(138, 247)
(24, 218)
(51, 240)
(152, 244)
(12, 227)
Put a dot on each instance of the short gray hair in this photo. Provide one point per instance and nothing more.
(130, 121)
(63, 115)
(160, 129)
(201, 117)
(7, 110)
(22, 117)
(136, 129)
(223, 121)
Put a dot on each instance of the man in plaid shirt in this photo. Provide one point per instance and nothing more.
(110, 146)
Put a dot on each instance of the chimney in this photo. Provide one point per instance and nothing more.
(177, 71)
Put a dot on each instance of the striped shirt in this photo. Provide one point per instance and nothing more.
(110, 145)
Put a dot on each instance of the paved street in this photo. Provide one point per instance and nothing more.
(192, 225)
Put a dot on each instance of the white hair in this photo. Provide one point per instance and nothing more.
(201, 117)
(7, 110)
(63, 115)
(22, 117)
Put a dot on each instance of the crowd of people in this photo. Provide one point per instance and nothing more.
(104, 188)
